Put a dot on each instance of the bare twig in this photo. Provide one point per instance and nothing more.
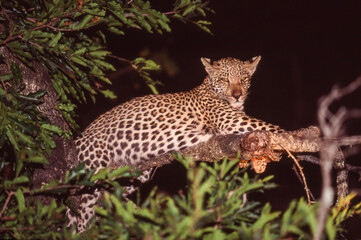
(32, 43)
(302, 175)
(2, 82)
(10, 194)
(48, 25)
(120, 59)
(315, 160)
(294, 168)
(309, 158)
(32, 192)
(19, 229)
(348, 141)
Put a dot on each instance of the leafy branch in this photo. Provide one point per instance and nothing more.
(60, 38)
(62, 46)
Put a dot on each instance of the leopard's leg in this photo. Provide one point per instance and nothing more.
(238, 123)
(88, 201)
(72, 218)
(86, 210)
(83, 212)
(145, 177)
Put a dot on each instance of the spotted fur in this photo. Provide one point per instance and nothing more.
(148, 126)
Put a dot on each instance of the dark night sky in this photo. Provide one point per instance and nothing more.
(306, 49)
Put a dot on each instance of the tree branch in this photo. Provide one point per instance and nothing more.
(247, 147)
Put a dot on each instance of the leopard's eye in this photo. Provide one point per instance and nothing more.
(244, 80)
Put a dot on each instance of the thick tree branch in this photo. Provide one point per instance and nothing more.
(39, 79)
(249, 146)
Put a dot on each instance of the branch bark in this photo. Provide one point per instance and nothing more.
(248, 147)
(39, 79)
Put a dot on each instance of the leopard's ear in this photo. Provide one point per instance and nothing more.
(252, 65)
(206, 62)
(210, 69)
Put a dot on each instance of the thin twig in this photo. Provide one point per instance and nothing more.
(32, 192)
(49, 25)
(294, 168)
(315, 160)
(32, 43)
(10, 194)
(348, 141)
(2, 82)
(18, 229)
(301, 172)
(128, 15)
(309, 158)
(120, 59)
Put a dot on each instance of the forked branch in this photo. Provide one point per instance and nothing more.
(332, 125)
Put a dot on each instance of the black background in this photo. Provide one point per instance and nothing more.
(306, 49)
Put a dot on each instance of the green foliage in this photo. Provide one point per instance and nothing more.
(215, 205)
(69, 39)
(32, 220)
(143, 66)
(22, 125)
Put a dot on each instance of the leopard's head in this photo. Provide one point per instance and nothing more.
(230, 78)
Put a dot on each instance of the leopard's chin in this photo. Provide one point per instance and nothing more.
(237, 104)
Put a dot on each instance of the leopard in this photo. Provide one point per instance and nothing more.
(149, 126)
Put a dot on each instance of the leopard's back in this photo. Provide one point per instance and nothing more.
(141, 129)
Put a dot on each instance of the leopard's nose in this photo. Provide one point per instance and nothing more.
(237, 94)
